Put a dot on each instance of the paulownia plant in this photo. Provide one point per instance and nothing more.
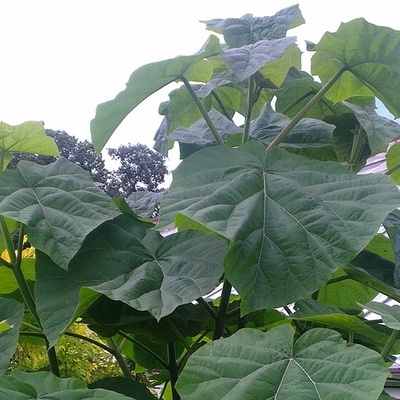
(274, 215)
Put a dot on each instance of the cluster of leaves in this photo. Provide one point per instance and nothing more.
(273, 211)
(140, 168)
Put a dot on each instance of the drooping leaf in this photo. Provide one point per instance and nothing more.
(368, 56)
(307, 133)
(44, 385)
(380, 130)
(248, 29)
(11, 312)
(248, 59)
(28, 137)
(393, 161)
(125, 262)
(58, 203)
(390, 314)
(266, 365)
(292, 221)
(145, 81)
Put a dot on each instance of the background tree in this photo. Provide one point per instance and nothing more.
(140, 168)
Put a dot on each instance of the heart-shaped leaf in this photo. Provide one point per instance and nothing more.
(248, 29)
(28, 137)
(123, 261)
(11, 313)
(368, 57)
(247, 60)
(270, 365)
(44, 385)
(58, 203)
(145, 81)
(292, 221)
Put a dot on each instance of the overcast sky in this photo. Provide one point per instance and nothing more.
(59, 59)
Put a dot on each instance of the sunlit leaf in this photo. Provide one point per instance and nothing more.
(144, 82)
(369, 57)
(28, 137)
(390, 314)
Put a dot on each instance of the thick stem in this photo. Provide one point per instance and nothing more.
(355, 147)
(119, 357)
(389, 344)
(222, 310)
(53, 362)
(250, 104)
(296, 119)
(207, 306)
(173, 370)
(222, 105)
(203, 111)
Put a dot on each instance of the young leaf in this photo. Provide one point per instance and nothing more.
(248, 29)
(292, 221)
(58, 203)
(245, 61)
(253, 364)
(369, 57)
(145, 81)
(28, 137)
(12, 313)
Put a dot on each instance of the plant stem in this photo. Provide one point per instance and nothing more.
(298, 101)
(222, 105)
(296, 119)
(203, 111)
(145, 348)
(250, 104)
(179, 336)
(173, 370)
(207, 306)
(53, 361)
(7, 240)
(222, 310)
(393, 169)
(389, 344)
(119, 357)
(355, 147)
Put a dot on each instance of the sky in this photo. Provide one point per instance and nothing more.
(62, 58)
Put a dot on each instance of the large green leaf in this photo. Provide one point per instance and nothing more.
(292, 221)
(28, 137)
(58, 203)
(44, 385)
(12, 313)
(123, 261)
(145, 81)
(248, 29)
(369, 57)
(245, 61)
(270, 365)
